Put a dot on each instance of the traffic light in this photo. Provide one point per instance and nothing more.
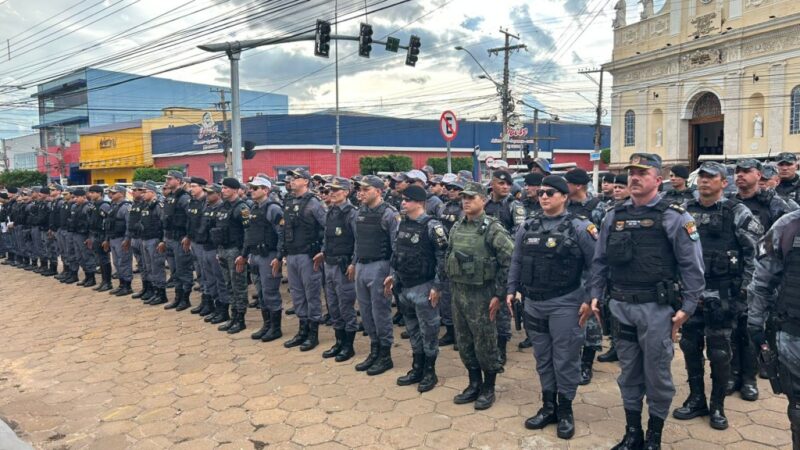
(413, 51)
(322, 43)
(365, 40)
(249, 151)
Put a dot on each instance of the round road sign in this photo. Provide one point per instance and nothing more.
(448, 125)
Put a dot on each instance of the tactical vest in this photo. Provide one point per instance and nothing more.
(115, 225)
(151, 225)
(414, 259)
(470, 260)
(207, 223)
(722, 254)
(195, 215)
(552, 262)
(639, 253)
(451, 214)
(339, 237)
(42, 215)
(97, 217)
(789, 189)
(679, 197)
(259, 234)
(55, 214)
(584, 210)
(72, 213)
(373, 242)
(227, 233)
(81, 217)
(135, 219)
(502, 211)
(759, 205)
(301, 230)
(175, 217)
(787, 305)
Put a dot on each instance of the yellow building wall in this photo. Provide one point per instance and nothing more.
(112, 176)
(113, 149)
(791, 141)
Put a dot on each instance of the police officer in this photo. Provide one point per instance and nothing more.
(640, 284)
(607, 188)
(304, 227)
(552, 251)
(133, 237)
(531, 202)
(152, 236)
(176, 207)
(9, 220)
(540, 166)
(680, 192)
(621, 190)
(80, 237)
(262, 237)
(478, 258)
(774, 299)
(728, 234)
(72, 256)
(376, 230)
(433, 205)
(55, 237)
(38, 221)
(217, 289)
(196, 237)
(418, 277)
(116, 227)
(789, 187)
(99, 211)
(451, 214)
(228, 235)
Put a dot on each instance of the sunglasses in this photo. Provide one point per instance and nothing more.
(452, 188)
(546, 192)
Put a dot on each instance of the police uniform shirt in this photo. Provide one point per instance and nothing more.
(788, 189)
(314, 207)
(390, 221)
(194, 212)
(515, 212)
(681, 232)
(350, 220)
(274, 215)
(103, 208)
(594, 214)
(679, 197)
(766, 205)
(531, 206)
(437, 235)
(123, 212)
(586, 233)
(434, 206)
(452, 213)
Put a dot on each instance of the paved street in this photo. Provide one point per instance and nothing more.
(85, 370)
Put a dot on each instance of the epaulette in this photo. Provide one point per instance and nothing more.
(576, 216)
(677, 207)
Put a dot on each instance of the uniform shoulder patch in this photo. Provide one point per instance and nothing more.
(520, 210)
(691, 230)
(439, 230)
(245, 213)
(592, 230)
(282, 222)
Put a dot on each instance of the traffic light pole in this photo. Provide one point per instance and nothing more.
(338, 148)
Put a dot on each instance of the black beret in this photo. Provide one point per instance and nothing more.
(503, 175)
(556, 182)
(577, 176)
(621, 179)
(415, 193)
(533, 179)
(45, 191)
(232, 183)
(96, 188)
(608, 178)
(198, 180)
(680, 171)
(80, 192)
(12, 190)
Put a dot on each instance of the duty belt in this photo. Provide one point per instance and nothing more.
(547, 295)
(371, 260)
(635, 297)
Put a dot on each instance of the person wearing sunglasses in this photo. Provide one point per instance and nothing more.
(451, 214)
(552, 251)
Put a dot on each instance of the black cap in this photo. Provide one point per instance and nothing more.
(232, 183)
(621, 179)
(503, 175)
(45, 190)
(79, 192)
(608, 177)
(680, 171)
(198, 180)
(786, 157)
(96, 188)
(713, 168)
(749, 163)
(12, 190)
(766, 173)
(533, 179)
(556, 182)
(415, 193)
(213, 188)
(577, 176)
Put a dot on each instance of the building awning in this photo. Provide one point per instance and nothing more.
(67, 121)
(69, 86)
(111, 127)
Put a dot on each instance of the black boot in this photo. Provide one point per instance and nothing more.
(312, 337)
(337, 346)
(449, 337)
(274, 327)
(587, 359)
(717, 418)
(749, 370)
(89, 281)
(203, 303)
(290, 312)
(634, 436)
(105, 272)
(653, 439)
(185, 303)
(207, 307)
(546, 414)
(178, 298)
(415, 374)
(264, 328)
(609, 356)
(502, 343)
(39, 267)
(125, 289)
(347, 351)
(71, 278)
(52, 269)
(473, 390)
(566, 420)
(229, 324)
(145, 290)
(383, 362)
(525, 343)
(485, 399)
(300, 337)
(695, 405)
(429, 378)
(222, 314)
(373, 355)
(160, 297)
(238, 323)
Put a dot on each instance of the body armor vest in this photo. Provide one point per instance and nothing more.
(175, 217)
(301, 230)
(259, 235)
(55, 214)
(639, 253)
(788, 303)
(584, 210)
(759, 205)
(135, 219)
(227, 233)
(207, 223)
(115, 226)
(469, 259)
(151, 224)
(63, 215)
(339, 237)
(414, 259)
(788, 189)
(451, 214)
(195, 215)
(501, 211)
(552, 262)
(97, 217)
(722, 254)
(373, 242)
(81, 216)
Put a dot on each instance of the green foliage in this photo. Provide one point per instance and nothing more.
(153, 173)
(440, 164)
(605, 155)
(371, 165)
(23, 178)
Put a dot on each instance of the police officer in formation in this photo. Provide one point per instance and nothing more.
(195, 240)
(533, 181)
(152, 235)
(680, 192)
(607, 188)
(451, 214)
(116, 225)
(728, 233)
(478, 258)
(645, 246)
(417, 279)
(789, 186)
(175, 216)
(218, 311)
(99, 211)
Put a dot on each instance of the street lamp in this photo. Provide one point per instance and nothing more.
(486, 76)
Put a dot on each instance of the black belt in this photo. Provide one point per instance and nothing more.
(547, 295)
(635, 297)
(368, 260)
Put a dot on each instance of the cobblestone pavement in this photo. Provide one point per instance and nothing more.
(80, 369)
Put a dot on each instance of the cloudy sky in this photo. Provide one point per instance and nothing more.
(42, 39)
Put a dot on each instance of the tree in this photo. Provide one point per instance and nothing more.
(605, 155)
(156, 174)
(440, 164)
(371, 165)
(23, 178)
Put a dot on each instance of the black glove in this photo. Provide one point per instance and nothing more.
(757, 335)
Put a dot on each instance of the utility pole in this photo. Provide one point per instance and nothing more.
(535, 133)
(5, 154)
(338, 149)
(223, 105)
(506, 93)
(598, 128)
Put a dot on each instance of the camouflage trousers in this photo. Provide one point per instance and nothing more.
(476, 335)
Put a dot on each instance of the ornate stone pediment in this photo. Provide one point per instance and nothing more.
(701, 58)
(705, 24)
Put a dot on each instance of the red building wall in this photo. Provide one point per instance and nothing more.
(71, 154)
